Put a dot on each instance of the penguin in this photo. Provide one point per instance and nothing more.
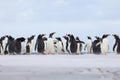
(59, 45)
(40, 46)
(116, 47)
(73, 44)
(20, 45)
(30, 44)
(10, 45)
(89, 45)
(79, 45)
(67, 44)
(104, 44)
(96, 46)
(50, 44)
(45, 43)
(3, 42)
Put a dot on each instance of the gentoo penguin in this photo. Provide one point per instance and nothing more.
(95, 46)
(40, 46)
(3, 42)
(79, 45)
(20, 44)
(50, 44)
(104, 44)
(59, 45)
(45, 43)
(10, 45)
(67, 44)
(30, 44)
(116, 47)
(73, 44)
(89, 45)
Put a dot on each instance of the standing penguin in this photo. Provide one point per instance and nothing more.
(96, 46)
(50, 44)
(89, 45)
(73, 44)
(3, 42)
(59, 45)
(79, 45)
(20, 45)
(104, 44)
(10, 45)
(67, 44)
(45, 45)
(30, 44)
(40, 46)
(116, 47)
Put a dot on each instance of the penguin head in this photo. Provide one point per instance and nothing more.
(51, 34)
(21, 39)
(98, 38)
(65, 37)
(89, 37)
(77, 39)
(115, 36)
(58, 38)
(44, 38)
(105, 36)
(32, 37)
(10, 38)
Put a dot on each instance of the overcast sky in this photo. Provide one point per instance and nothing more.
(80, 17)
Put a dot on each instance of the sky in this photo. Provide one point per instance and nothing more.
(79, 17)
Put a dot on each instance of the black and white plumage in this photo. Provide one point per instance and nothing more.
(59, 45)
(3, 42)
(20, 45)
(40, 45)
(79, 45)
(89, 45)
(50, 44)
(96, 46)
(10, 45)
(67, 44)
(30, 44)
(73, 44)
(104, 44)
(116, 46)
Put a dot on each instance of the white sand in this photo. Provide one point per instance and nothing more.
(60, 67)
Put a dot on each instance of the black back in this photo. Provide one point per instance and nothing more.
(96, 48)
(29, 41)
(40, 46)
(10, 45)
(73, 45)
(117, 43)
(18, 46)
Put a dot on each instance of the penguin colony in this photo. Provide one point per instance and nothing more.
(50, 45)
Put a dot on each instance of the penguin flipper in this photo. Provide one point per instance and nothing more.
(114, 46)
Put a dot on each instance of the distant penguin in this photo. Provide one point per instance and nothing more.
(96, 46)
(67, 44)
(20, 45)
(10, 45)
(40, 46)
(59, 45)
(50, 44)
(104, 44)
(30, 44)
(45, 45)
(79, 45)
(116, 47)
(3, 42)
(73, 44)
(89, 45)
